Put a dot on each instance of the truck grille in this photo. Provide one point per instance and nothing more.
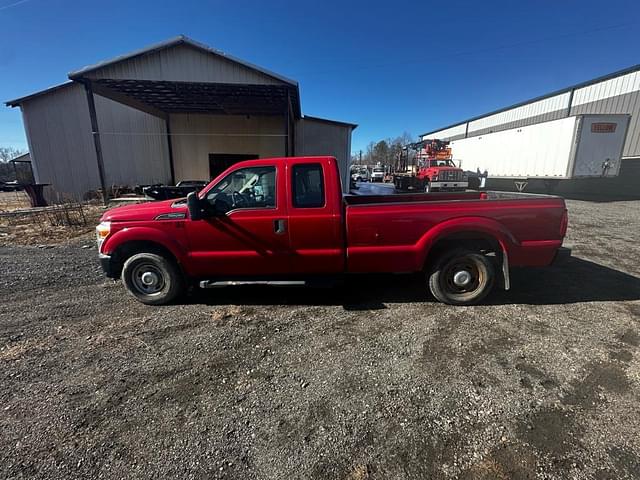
(450, 176)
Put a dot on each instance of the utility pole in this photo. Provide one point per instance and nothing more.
(360, 161)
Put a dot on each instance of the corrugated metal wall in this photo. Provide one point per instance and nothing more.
(134, 144)
(315, 137)
(451, 133)
(544, 110)
(59, 134)
(183, 63)
(616, 95)
(195, 136)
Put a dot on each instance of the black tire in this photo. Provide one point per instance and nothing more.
(481, 272)
(163, 283)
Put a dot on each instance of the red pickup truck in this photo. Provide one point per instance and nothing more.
(286, 220)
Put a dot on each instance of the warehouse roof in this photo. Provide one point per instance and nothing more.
(335, 122)
(189, 96)
(542, 97)
(17, 101)
(172, 42)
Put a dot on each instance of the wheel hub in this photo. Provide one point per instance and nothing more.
(462, 278)
(150, 279)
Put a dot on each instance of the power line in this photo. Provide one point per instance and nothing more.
(15, 4)
(370, 66)
(153, 134)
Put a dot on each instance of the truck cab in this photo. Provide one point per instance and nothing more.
(442, 174)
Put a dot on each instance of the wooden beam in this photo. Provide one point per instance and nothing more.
(96, 140)
(170, 148)
(128, 101)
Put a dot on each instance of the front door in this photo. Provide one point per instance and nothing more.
(249, 234)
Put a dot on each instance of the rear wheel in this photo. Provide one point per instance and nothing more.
(461, 277)
(152, 279)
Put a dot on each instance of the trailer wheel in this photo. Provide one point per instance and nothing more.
(461, 277)
(152, 279)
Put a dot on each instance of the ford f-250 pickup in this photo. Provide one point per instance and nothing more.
(286, 220)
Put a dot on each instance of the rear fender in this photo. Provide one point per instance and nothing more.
(471, 225)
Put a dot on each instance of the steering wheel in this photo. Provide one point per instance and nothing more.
(238, 199)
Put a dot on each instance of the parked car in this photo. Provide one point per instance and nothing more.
(166, 192)
(360, 174)
(12, 186)
(286, 220)
(377, 175)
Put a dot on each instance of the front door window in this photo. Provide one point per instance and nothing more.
(252, 187)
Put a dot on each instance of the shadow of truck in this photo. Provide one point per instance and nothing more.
(576, 281)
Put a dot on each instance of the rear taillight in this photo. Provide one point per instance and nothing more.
(564, 222)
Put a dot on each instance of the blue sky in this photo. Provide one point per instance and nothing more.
(388, 66)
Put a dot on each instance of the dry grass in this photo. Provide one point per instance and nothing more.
(10, 201)
(44, 227)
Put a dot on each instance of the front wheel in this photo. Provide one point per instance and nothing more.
(152, 279)
(461, 277)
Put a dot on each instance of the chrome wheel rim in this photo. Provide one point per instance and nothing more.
(147, 279)
(462, 276)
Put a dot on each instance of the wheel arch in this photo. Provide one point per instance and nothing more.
(125, 243)
(473, 233)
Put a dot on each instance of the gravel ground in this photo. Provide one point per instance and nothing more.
(374, 380)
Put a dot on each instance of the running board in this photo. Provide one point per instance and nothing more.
(273, 283)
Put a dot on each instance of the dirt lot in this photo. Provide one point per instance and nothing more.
(371, 381)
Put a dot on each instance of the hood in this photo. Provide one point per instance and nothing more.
(144, 211)
(444, 169)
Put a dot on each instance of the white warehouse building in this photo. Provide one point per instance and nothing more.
(177, 110)
(616, 93)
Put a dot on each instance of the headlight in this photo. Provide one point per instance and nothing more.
(102, 232)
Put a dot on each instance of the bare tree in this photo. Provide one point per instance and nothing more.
(9, 153)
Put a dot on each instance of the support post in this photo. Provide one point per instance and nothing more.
(570, 102)
(292, 126)
(286, 127)
(96, 139)
(170, 148)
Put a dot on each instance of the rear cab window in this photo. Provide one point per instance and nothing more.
(308, 186)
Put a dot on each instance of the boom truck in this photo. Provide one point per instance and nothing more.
(432, 168)
(286, 221)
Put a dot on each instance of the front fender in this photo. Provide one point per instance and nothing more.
(144, 234)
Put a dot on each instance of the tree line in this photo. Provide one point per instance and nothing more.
(384, 152)
(7, 173)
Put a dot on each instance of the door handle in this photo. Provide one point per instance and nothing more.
(279, 226)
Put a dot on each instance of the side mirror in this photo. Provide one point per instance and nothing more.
(194, 206)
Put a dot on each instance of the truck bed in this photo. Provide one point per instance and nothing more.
(438, 197)
(392, 232)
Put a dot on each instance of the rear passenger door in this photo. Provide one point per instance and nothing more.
(315, 216)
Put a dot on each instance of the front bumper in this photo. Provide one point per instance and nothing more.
(449, 184)
(562, 255)
(108, 266)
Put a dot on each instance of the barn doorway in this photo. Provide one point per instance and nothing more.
(219, 162)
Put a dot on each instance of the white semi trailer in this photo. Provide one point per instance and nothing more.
(580, 146)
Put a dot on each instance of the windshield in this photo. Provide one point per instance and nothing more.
(441, 163)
